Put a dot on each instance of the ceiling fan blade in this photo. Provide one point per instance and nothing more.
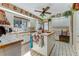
(37, 11)
(45, 9)
(48, 13)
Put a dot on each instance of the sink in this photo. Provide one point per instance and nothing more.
(48, 32)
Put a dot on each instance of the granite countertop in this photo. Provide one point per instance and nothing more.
(48, 34)
(18, 32)
(8, 40)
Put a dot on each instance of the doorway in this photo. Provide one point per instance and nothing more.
(63, 29)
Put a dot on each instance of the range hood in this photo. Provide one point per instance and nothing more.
(3, 19)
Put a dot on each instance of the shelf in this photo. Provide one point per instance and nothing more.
(6, 25)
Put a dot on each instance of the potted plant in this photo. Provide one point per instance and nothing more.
(67, 13)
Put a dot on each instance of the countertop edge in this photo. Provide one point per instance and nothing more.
(10, 43)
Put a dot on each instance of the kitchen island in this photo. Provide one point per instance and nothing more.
(47, 48)
(10, 47)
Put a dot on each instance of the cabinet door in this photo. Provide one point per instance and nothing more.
(13, 50)
(1, 51)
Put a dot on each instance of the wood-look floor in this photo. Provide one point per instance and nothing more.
(63, 49)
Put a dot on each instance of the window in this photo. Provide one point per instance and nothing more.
(20, 23)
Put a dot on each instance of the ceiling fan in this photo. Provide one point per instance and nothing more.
(44, 11)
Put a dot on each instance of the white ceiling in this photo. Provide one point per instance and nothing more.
(54, 7)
